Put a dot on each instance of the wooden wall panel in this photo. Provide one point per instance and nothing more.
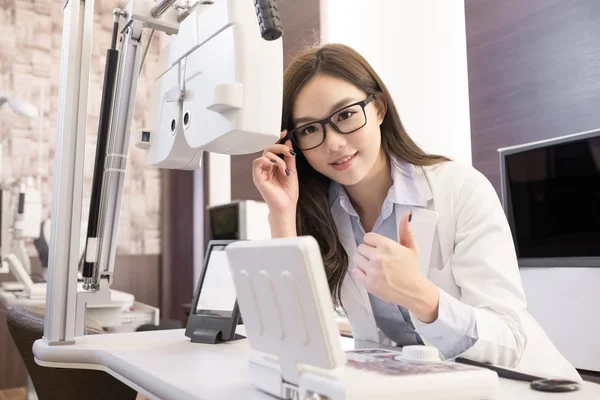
(139, 275)
(177, 242)
(534, 73)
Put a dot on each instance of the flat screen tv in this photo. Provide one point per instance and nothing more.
(551, 196)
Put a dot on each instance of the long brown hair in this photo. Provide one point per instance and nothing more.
(313, 213)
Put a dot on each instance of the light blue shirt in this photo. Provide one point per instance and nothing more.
(455, 329)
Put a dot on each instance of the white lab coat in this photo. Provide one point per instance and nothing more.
(466, 249)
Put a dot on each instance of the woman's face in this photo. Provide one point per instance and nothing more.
(344, 158)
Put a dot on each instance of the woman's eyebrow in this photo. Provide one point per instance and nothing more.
(333, 108)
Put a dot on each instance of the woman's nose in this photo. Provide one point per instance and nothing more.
(333, 139)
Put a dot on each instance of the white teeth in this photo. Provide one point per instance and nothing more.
(343, 160)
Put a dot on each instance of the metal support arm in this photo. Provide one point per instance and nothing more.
(65, 306)
(68, 171)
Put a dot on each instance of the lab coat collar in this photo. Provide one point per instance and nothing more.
(409, 188)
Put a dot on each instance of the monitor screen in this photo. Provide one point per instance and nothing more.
(224, 222)
(217, 294)
(553, 200)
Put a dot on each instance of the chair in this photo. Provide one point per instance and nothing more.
(26, 326)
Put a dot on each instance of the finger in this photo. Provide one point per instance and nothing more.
(286, 150)
(277, 161)
(367, 251)
(282, 135)
(405, 233)
(360, 276)
(376, 240)
(362, 262)
(259, 165)
(279, 148)
(363, 272)
(261, 162)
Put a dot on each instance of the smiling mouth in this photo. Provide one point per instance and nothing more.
(344, 162)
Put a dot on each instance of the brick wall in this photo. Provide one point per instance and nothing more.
(30, 45)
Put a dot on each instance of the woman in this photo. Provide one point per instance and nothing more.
(416, 248)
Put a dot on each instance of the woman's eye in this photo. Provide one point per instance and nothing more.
(345, 115)
(308, 130)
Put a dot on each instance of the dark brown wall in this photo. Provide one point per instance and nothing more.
(139, 275)
(300, 20)
(534, 73)
(177, 268)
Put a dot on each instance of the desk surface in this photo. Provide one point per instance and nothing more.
(165, 365)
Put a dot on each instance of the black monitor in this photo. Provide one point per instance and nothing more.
(224, 221)
(551, 196)
(214, 314)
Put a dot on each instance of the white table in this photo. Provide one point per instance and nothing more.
(166, 365)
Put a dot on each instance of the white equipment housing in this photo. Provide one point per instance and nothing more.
(288, 314)
(29, 212)
(20, 220)
(219, 90)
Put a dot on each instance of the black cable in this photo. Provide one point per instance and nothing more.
(536, 382)
(503, 373)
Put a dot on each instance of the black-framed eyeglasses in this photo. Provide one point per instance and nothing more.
(345, 120)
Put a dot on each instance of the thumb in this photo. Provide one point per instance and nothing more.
(405, 234)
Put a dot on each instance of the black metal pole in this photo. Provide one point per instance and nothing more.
(110, 75)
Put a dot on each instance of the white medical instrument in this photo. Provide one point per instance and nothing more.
(288, 315)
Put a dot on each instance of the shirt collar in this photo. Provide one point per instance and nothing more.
(410, 187)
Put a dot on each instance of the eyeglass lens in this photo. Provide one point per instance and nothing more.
(346, 120)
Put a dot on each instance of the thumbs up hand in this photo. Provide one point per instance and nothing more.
(390, 271)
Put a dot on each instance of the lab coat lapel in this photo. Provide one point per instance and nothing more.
(413, 194)
(355, 298)
(423, 226)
